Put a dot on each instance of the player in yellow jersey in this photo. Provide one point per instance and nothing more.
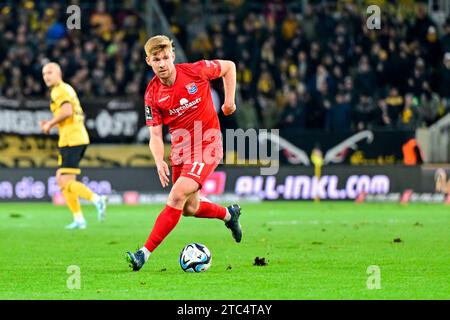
(73, 141)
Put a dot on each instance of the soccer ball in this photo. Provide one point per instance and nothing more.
(195, 257)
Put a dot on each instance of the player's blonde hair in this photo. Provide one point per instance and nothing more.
(158, 43)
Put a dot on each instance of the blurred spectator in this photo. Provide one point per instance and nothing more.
(309, 22)
(340, 113)
(397, 65)
(365, 113)
(201, 47)
(318, 116)
(265, 99)
(102, 21)
(302, 65)
(326, 23)
(293, 115)
(56, 30)
(418, 77)
(433, 47)
(412, 152)
(365, 80)
(244, 77)
(274, 10)
(421, 24)
(429, 105)
(322, 76)
(410, 116)
(247, 117)
(444, 81)
(445, 40)
(289, 27)
(394, 105)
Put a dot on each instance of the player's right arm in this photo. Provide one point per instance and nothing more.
(153, 120)
(65, 112)
(156, 145)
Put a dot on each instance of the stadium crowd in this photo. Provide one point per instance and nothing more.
(315, 68)
(322, 67)
(103, 58)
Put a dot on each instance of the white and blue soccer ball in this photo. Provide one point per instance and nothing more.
(195, 257)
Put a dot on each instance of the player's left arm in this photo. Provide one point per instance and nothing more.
(228, 74)
(65, 112)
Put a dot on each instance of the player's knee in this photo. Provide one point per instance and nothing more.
(61, 181)
(187, 213)
(189, 210)
(176, 199)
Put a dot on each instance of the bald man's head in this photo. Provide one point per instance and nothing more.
(51, 72)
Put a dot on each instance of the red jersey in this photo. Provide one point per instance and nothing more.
(187, 108)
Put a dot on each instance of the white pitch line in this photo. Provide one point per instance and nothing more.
(315, 222)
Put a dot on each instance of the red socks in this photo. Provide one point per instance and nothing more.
(210, 210)
(166, 221)
(169, 217)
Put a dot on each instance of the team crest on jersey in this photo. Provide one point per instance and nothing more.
(191, 88)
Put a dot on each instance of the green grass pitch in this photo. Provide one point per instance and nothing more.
(314, 251)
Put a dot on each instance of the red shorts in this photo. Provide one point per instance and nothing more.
(197, 171)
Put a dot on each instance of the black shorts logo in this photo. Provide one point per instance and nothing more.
(148, 113)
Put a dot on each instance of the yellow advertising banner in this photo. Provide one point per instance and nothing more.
(38, 151)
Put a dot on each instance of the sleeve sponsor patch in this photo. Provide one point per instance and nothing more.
(148, 113)
(210, 69)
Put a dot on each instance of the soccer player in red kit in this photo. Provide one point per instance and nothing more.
(179, 96)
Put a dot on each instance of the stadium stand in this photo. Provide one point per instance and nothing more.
(290, 73)
(103, 58)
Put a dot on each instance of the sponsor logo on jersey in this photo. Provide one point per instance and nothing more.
(191, 88)
(184, 105)
(209, 63)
